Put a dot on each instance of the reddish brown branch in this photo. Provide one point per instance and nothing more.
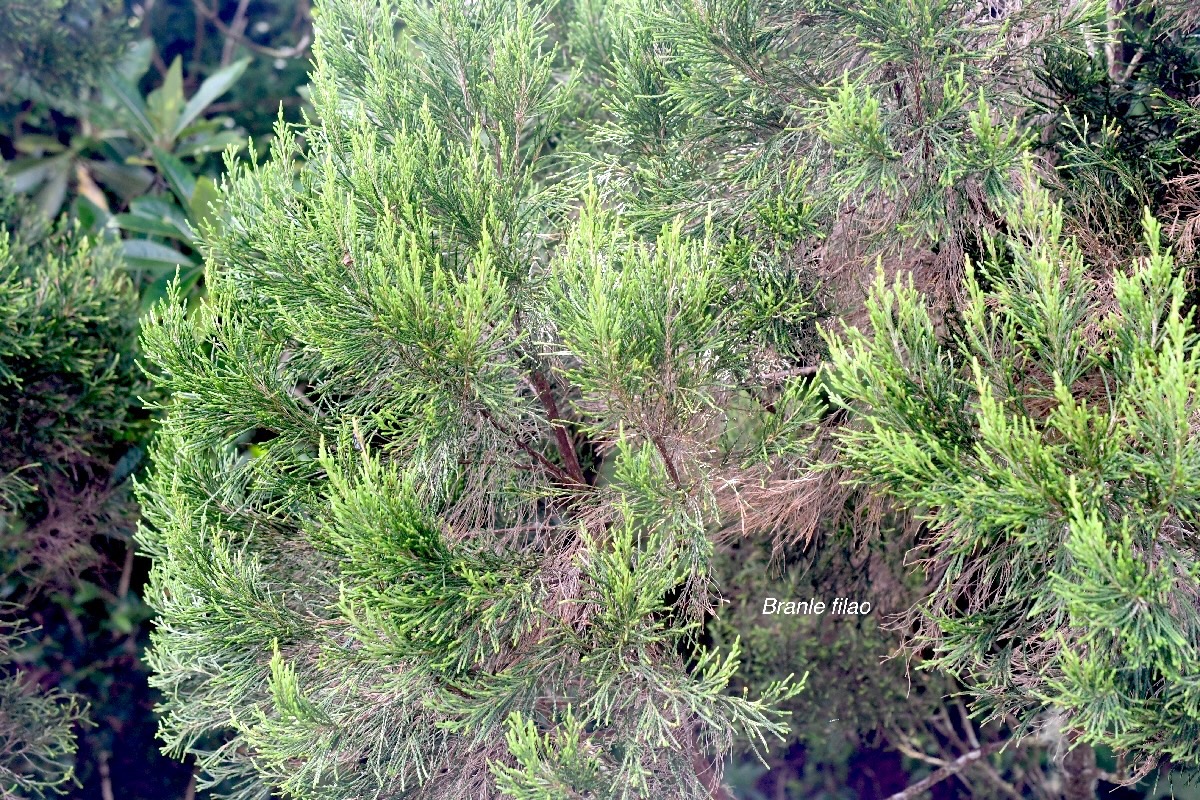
(549, 465)
(707, 772)
(562, 437)
(708, 776)
(670, 465)
(1079, 772)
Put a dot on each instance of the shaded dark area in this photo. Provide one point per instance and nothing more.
(119, 751)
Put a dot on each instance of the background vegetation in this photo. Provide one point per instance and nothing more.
(113, 116)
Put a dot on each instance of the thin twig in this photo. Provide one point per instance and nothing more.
(106, 787)
(953, 768)
(126, 572)
(192, 77)
(998, 780)
(1132, 65)
(233, 35)
(237, 32)
(913, 753)
(707, 773)
(670, 465)
(1114, 44)
(797, 372)
(155, 57)
(987, 768)
(966, 720)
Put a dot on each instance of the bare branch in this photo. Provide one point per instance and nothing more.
(562, 438)
(666, 457)
(953, 768)
(796, 372)
(236, 33)
(549, 465)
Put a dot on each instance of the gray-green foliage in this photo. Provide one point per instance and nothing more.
(1051, 444)
(452, 439)
(433, 501)
(68, 392)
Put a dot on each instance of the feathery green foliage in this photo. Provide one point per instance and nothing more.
(1124, 130)
(68, 393)
(833, 131)
(434, 498)
(68, 398)
(450, 447)
(1052, 447)
(56, 46)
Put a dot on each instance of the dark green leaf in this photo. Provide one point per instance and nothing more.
(36, 145)
(130, 100)
(162, 209)
(52, 194)
(136, 61)
(164, 104)
(178, 176)
(202, 207)
(27, 173)
(154, 256)
(151, 226)
(125, 180)
(158, 289)
(211, 143)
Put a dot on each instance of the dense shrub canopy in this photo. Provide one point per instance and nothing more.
(68, 388)
(508, 368)
(434, 491)
(1052, 444)
(56, 46)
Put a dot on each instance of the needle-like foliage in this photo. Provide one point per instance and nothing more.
(56, 46)
(68, 393)
(832, 131)
(434, 500)
(1052, 446)
(37, 740)
(503, 344)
